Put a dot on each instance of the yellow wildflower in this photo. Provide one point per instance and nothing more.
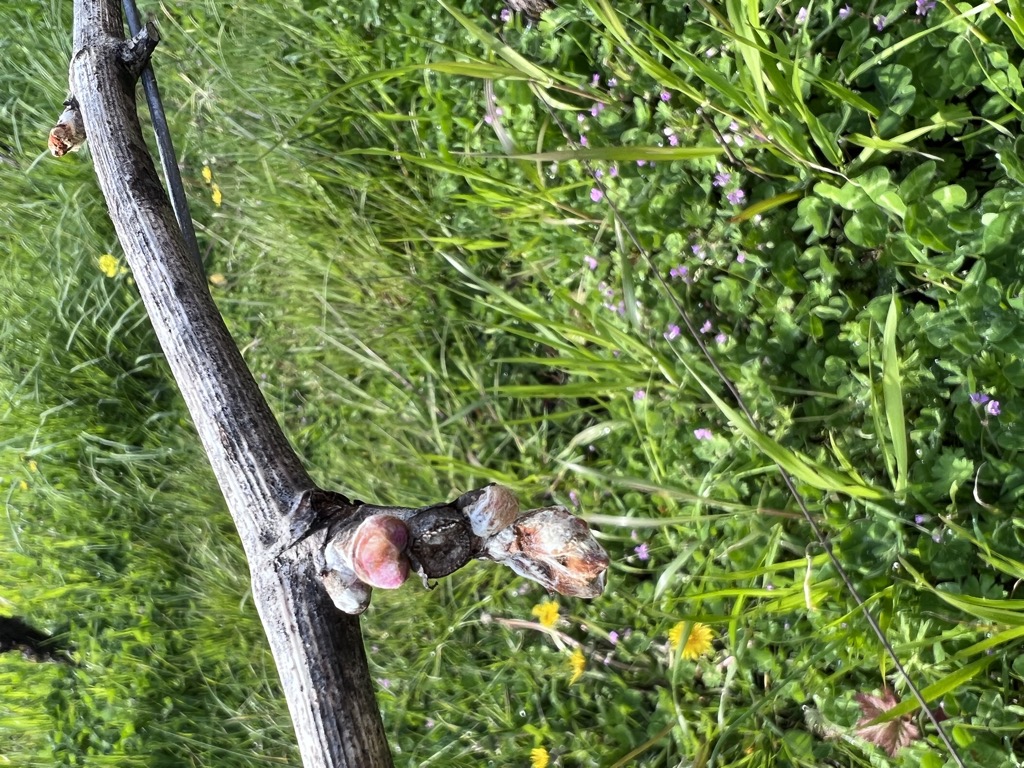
(32, 466)
(207, 174)
(23, 485)
(539, 758)
(217, 196)
(698, 639)
(217, 279)
(546, 613)
(108, 265)
(578, 663)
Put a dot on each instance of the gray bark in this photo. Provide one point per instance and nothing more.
(318, 650)
(311, 552)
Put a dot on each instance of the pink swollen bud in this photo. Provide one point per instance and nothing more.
(378, 552)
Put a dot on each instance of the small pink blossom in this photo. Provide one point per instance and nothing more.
(673, 140)
(703, 433)
(706, 328)
(736, 197)
(591, 262)
(673, 332)
(584, 141)
(721, 338)
(613, 637)
(680, 272)
(640, 394)
(642, 552)
(596, 195)
(666, 96)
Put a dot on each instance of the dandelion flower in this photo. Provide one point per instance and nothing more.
(698, 639)
(577, 662)
(539, 758)
(207, 174)
(108, 265)
(216, 195)
(546, 613)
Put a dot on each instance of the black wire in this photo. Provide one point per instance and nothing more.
(165, 147)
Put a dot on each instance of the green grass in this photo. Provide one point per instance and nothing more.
(409, 283)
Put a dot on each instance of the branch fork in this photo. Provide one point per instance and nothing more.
(379, 547)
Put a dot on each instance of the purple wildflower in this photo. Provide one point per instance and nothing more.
(595, 80)
(801, 16)
(679, 272)
(640, 394)
(736, 196)
(596, 195)
(721, 179)
(613, 637)
(721, 338)
(845, 11)
(702, 434)
(580, 117)
(666, 96)
(924, 6)
(741, 257)
(642, 552)
(673, 140)
(992, 408)
(506, 15)
(706, 328)
(574, 498)
(641, 163)
(920, 519)
(879, 22)
(979, 398)
(612, 82)
(613, 171)
(672, 332)
(591, 262)
(584, 141)
(488, 119)
(598, 173)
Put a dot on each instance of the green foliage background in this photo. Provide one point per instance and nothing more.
(405, 267)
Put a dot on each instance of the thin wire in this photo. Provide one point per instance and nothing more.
(165, 147)
(819, 534)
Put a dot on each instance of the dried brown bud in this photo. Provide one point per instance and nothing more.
(68, 134)
(554, 548)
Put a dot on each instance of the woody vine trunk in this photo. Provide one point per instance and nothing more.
(318, 650)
